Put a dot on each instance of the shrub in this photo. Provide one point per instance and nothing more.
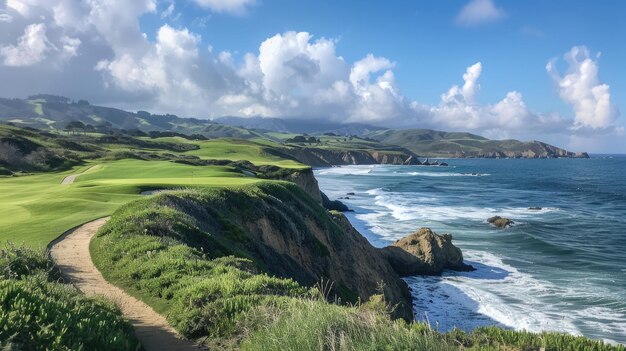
(38, 313)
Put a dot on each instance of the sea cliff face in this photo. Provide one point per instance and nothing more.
(318, 157)
(536, 149)
(288, 234)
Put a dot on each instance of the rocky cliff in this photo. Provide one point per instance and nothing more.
(319, 157)
(288, 234)
(535, 149)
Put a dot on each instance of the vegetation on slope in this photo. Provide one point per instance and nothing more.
(207, 280)
(37, 313)
(55, 113)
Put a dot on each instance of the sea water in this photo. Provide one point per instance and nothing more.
(561, 268)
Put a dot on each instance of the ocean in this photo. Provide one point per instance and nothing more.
(561, 268)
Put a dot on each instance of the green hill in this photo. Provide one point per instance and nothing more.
(433, 143)
(55, 113)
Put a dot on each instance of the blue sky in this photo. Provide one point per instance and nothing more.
(430, 48)
(392, 63)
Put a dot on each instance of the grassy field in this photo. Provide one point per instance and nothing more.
(38, 208)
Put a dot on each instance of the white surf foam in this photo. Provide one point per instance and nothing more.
(446, 174)
(347, 170)
(494, 294)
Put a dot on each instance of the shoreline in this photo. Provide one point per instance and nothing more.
(365, 219)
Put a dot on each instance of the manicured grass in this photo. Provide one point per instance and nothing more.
(241, 150)
(37, 208)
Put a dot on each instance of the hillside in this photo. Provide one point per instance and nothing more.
(433, 143)
(233, 254)
(295, 125)
(55, 113)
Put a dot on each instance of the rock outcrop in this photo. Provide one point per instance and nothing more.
(319, 157)
(500, 222)
(333, 205)
(424, 253)
(534, 149)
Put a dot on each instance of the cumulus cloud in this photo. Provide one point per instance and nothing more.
(458, 110)
(478, 12)
(30, 49)
(230, 6)
(291, 74)
(580, 87)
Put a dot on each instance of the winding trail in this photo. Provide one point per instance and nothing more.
(71, 254)
(72, 177)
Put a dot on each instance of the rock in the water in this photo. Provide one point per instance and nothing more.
(350, 193)
(443, 164)
(535, 208)
(335, 205)
(411, 161)
(424, 253)
(500, 222)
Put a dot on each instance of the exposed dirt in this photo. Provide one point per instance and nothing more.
(71, 254)
(72, 177)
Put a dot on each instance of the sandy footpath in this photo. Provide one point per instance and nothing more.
(71, 254)
(72, 177)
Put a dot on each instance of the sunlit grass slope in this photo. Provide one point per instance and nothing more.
(38, 208)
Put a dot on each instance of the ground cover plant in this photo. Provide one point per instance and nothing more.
(37, 312)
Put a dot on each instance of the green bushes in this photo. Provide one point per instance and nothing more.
(38, 313)
(17, 262)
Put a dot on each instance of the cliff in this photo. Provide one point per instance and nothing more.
(282, 229)
(535, 149)
(326, 157)
(434, 143)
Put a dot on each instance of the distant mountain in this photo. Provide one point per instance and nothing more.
(51, 112)
(298, 126)
(55, 112)
(433, 143)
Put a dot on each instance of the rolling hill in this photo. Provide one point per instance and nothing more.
(54, 113)
(433, 143)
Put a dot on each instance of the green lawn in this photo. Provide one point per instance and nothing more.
(37, 208)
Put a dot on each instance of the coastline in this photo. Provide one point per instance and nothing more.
(452, 292)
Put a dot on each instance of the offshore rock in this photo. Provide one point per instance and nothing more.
(424, 253)
(500, 222)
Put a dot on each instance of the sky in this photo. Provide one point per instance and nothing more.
(544, 70)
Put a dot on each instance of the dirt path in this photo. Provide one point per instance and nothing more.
(72, 177)
(71, 254)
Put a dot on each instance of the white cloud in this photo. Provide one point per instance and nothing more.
(458, 110)
(581, 88)
(31, 47)
(5, 17)
(70, 45)
(292, 74)
(168, 11)
(478, 12)
(229, 6)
